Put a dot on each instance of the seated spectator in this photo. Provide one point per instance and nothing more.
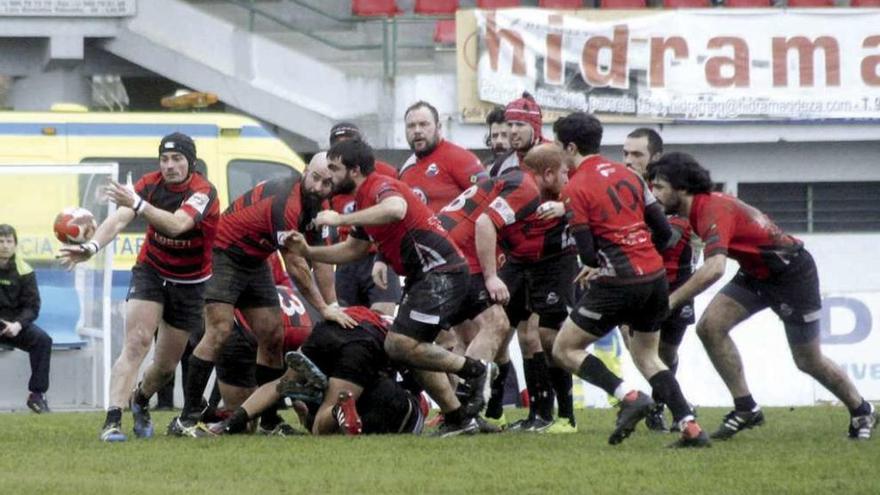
(19, 307)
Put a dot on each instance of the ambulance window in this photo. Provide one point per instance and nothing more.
(138, 167)
(243, 175)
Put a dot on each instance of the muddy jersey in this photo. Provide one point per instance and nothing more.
(414, 245)
(344, 203)
(438, 177)
(678, 258)
(254, 225)
(609, 200)
(733, 228)
(185, 257)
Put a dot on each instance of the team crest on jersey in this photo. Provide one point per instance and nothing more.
(349, 207)
(552, 298)
(420, 194)
(432, 170)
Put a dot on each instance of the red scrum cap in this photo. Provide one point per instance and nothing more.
(525, 109)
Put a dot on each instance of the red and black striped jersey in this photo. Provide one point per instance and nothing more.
(510, 201)
(609, 200)
(185, 257)
(344, 203)
(438, 177)
(253, 226)
(414, 245)
(679, 257)
(733, 228)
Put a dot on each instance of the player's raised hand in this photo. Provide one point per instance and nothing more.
(328, 217)
(380, 274)
(497, 290)
(71, 254)
(121, 195)
(333, 312)
(296, 243)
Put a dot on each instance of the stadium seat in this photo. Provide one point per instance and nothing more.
(497, 4)
(865, 3)
(374, 8)
(562, 4)
(60, 310)
(797, 4)
(435, 7)
(747, 4)
(444, 32)
(686, 4)
(623, 4)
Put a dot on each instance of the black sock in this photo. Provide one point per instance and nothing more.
(495, 408)
(529, 372)
(237, 423)
(269, 418)
(562, 384)
(471, 368)
(543, 387)
(595, 372)
(196, 380)
(139, 398)
(864, 409)
(666, 386)
(454, 417)
(745, 403)
(114, 415)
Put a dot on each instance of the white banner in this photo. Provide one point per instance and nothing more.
(708, 64)
(67, 8)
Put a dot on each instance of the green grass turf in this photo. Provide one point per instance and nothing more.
(802, 450)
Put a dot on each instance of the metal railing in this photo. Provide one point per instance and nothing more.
(389, 25)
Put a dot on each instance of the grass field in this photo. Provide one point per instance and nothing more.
(802, 450)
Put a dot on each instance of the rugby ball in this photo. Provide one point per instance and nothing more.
(75, 225)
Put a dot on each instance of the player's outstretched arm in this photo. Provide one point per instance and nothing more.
(70, 255)
(170, 224)
(709, 272)
(351, 249)
(390, 209)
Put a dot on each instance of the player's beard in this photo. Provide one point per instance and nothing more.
(429, 148)
(347, 186)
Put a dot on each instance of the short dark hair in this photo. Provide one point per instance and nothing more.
(7, 230)
(683, 173)
(655, 142)
(354, 153)
(496, 116)
(423, 104)
(582, 129)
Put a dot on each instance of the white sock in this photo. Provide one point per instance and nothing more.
(621, 390)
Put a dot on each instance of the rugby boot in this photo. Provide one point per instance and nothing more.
(143, 424)
(692, 436)
(634, 407)
(656, 420)
(480, 389)
(736, 421)
(308, 383)
(112, 432)
(861, 427)
(37, 403)
(346, 414)
(468, 426)
(180, 427)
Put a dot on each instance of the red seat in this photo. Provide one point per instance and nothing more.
(865, 3)
(435, 7)
(374, 7)
(747, 4)
(623, 4)
(497, 4)
(810, 3)
(444, 32)
(562, 4)
(686, 4)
